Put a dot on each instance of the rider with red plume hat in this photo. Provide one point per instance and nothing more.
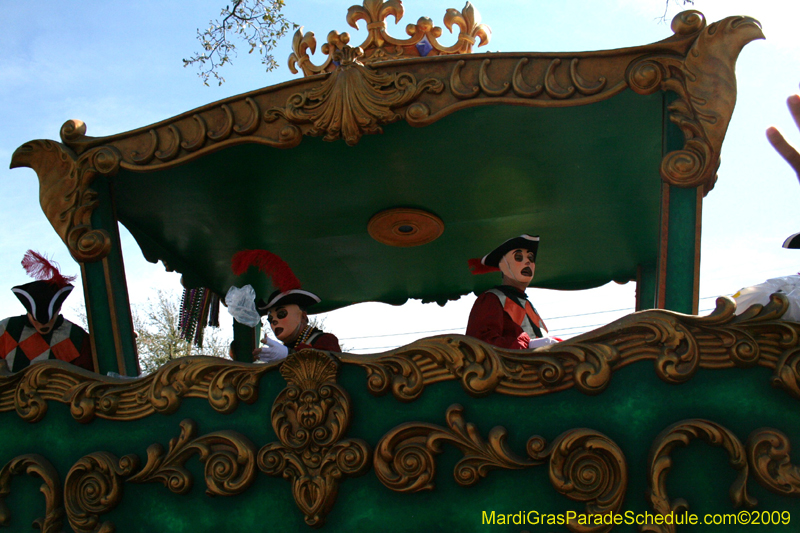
(43, 333)
(286, 309)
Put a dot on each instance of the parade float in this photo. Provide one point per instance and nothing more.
(376, 176)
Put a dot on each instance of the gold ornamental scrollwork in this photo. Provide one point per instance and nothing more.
(94, 487)
(768, 453)
(660, 461)
(310, 417)
(704, 81)
(404, 458)
(34, 465)
(223, 383)
(380, 46)
(228, 458)
(584, 465)
(679, 345)
(354, 100)
(65, 192)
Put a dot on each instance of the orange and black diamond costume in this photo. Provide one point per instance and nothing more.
(21, 344)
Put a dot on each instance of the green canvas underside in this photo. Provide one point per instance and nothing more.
(586, 179)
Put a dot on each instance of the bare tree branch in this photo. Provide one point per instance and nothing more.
(663, 18)
(259, 23)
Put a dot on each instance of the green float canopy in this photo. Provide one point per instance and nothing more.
(585, 179)
(582, 149)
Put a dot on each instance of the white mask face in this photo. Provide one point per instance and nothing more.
(286, 322)
(518, 265)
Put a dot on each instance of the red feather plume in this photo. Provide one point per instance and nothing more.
(270, 264)
(477, 267)
(40, 268)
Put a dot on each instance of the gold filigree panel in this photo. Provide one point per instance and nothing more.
(89, 395)
(678, 344)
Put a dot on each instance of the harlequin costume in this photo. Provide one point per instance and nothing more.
(289, 295)
(503, 316)
(24, 341)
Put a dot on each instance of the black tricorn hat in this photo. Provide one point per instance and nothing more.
(524, 241)
(299, 297)
(793, 241)
(42, 299)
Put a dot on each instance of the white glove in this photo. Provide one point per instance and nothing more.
(273, 351)
(542, 341)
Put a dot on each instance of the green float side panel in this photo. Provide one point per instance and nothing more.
(635, 408)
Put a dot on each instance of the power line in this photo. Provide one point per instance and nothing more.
(555, 333)
(400, 334)
(451, 330)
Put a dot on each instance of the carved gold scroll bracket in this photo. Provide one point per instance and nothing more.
(310, 417)
(380, 46)
(679, 345)
(34, 465)
(584, 465)
(65, 192)
(705, 84)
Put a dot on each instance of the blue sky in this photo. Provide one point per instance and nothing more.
(117, 66)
